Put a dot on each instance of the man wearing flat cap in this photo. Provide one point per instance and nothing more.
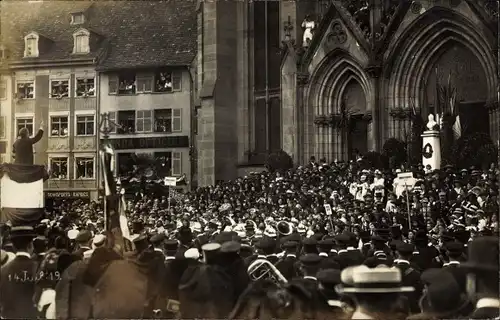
(83, 243)
(234, 266)
(17, 279)
(288, 264)
(266, 248)
(327, 262)
(454, 251)
(156, 241)
(309, 266)
(328, 279)
(410, 276)
(482, 270)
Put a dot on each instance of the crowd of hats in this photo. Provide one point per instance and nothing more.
(447, 208)
(441, 200)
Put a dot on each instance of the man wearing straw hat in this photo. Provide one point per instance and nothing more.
(377, 292)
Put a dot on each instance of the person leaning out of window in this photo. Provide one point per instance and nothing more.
(23, 146)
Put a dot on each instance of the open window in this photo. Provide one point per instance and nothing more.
(25, 90)
(31, 45)
(163, 161)
(85, 87)
(59, 168)
(59, 126)
(59, 89)
(126, 83)
(126, 120)
(163, 120)
(85, 167)
(168, 120)
(167, 81)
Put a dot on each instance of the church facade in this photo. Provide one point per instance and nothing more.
(368, 67)
(333, 79)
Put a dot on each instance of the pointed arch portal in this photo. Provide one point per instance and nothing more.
(338, 79)
(433, 49)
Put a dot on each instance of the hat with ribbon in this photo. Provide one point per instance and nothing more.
(376, 280)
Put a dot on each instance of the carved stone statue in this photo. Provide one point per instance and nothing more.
(308, 25)
(432, 124)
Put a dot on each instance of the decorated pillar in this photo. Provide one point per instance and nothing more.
(431, 151)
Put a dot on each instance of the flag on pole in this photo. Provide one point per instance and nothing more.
(111, 199)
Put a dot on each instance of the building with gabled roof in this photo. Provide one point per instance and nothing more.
(61, 57)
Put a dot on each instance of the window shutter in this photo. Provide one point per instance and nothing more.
(2, 127)
(148, 119)
(176, 163)
(176, 120)
(176, 81)
(112, 85)
(139, 121)
(112, 119)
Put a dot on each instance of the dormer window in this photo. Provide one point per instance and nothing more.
(77, 18)
(31, 45)
(81, 41)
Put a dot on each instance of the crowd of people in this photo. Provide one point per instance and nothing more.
(324, 240)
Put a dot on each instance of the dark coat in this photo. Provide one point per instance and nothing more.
(121, 292)
(17, 288)
(349, 258)
(424, 259)
(73, 296)
(287, 267)
(23, 148)
(411, 277)
(174, 269)
(328, 263)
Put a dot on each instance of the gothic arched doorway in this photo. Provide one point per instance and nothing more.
(357, 135)
(455, 67)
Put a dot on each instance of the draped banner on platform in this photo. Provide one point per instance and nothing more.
(22, 199)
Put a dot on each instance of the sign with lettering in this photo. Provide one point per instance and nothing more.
(170, 181)
(67, 194)
(150, 143)
(328, 209)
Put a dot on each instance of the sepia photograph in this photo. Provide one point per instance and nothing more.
(249, 159)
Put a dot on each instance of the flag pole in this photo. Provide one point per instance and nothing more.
(104, 129)
(169, 199)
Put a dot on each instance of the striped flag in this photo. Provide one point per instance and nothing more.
(22, 198)
(112, 200)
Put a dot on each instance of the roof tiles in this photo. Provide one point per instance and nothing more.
(124, 34)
